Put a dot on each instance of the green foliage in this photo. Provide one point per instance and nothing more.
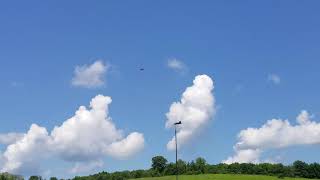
(160, 167)
(221, 177)
(35, 178)
(300, 169)
(200, 169)
(159, 164)
(181, 166)
(7, 176)
(236, 171)
(201, 165)
(170, 169)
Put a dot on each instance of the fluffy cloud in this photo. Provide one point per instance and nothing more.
(10, 138)
(90, 76)
(177, 65)
(195, 109)
(244, 156)
(84, 139)
(274, 78)
(81, 167)
(276, 133)
(126, 147)
(22, 155)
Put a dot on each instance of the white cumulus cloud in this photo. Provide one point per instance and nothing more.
(276, 133)
(23, 155)
(177, 65)
(10, 138)
(90, 76)
(84, 139)
(195, 109)
(81, 167)
(126, 147)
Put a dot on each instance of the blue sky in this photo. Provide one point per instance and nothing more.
(238, 44)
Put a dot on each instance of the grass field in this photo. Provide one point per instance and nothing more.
(219, 177)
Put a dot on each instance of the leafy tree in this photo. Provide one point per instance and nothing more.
(201, 165)
(170, 169)
(192, 168)
(159, 163)
(247, 168)
(138, 174)
(35, 178)
(314, 170)
(234, 168)
(300, 169)
(181, 166)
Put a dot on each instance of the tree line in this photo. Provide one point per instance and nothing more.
(7, 176)
(161, 167)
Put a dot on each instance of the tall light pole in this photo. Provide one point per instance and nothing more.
(175, 135)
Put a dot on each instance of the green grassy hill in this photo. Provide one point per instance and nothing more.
(219, 177)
